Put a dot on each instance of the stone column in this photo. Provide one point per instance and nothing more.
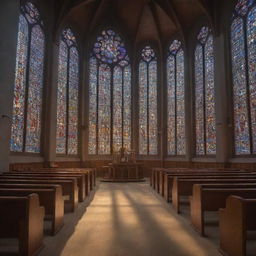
(189, 131)
(9, 19)
(84, 105)
(221, 100)
(51, 99)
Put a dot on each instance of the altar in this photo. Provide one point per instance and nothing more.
(124, 168)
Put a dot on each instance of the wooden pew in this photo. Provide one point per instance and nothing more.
(26, 224)
(237, 218)
(168, 179)
(184, 186)
(211, 197)
(158, 174)
(69, 188)
(89, 173)
(50, 198)
(60, 172)
(92, 172)
(46, 175)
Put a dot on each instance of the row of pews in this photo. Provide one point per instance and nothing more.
(230, 192)
(29, 198)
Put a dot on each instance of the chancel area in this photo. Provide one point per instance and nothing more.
(128, 128)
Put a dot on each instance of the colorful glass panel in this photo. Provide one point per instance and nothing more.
(93, 83)
(175, 100)
(243, 6)
(20, 87)
(204, 94)
(104, 110)
(109, 47)
(68, 95)
(152, 108)
(242, 138)
(62, 99)
(199, 100)
(127, 100)
(117, 108)
(110, 96)
(251, 42)
(209, 98)
(35, 91)
(203, 34)
(148, 117)
(28, 89)
(73, 102)
(148, 54)
(143, 108)
(180, 98)
(171, 109)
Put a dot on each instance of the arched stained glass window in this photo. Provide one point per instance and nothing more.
(148, 118)
(68, 95)
(243, 52)
(109, 95)
(176, 103)
(28, 89)
(204, 94)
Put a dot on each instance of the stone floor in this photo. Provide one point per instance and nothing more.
(127, 219)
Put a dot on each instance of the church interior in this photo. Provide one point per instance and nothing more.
(128, 128)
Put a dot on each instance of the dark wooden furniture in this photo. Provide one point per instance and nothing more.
(124, 172)
(69, 188)
(46, 175)
(184, 186)
(26, 224)
(211, 197)
(235, 220)
(168, 179)
(50, 198)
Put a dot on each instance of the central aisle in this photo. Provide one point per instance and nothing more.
(130, 219)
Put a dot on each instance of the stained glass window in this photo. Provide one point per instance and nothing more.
(176, 104)
(28, 89)
(148, 118)
(109, 95)
(67, 95)
(243, 52)
(204, 94)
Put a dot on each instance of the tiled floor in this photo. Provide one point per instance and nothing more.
(127, 219)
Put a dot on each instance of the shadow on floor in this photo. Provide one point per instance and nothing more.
(57, 243)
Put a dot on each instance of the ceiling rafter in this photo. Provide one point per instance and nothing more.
(170, 11)
(61, 11)
(103, 7)
(139, 21)
(143, 32)
(152, 6)
(204, 5)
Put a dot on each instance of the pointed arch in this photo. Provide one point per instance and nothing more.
(243, 55)
(29, 80)
(175, 100)
(205, 94)
(109, 95)
(148, 104)
(67, 95)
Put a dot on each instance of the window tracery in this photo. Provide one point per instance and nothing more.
(243, 54)
(67, 95)
(28, 89)
(176, 103)
(148, 105)
(204, 94)
(109, 95)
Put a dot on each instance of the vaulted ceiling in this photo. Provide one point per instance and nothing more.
(141, 20)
